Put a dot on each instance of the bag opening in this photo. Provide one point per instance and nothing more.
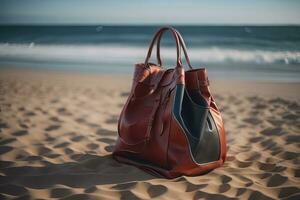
(192, 113)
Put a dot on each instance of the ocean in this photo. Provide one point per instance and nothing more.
(228, 52)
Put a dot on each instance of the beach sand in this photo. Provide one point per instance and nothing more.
(58, 131)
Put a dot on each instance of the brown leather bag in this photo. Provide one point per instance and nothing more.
(170, 124)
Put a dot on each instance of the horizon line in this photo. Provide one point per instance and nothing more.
(147, 24)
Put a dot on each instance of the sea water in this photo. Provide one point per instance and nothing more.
(228, 52)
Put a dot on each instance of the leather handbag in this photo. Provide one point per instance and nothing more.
(170, 124)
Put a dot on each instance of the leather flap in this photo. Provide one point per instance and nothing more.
(197, 78)
(141, 73)
(154, 76)
(168, 77)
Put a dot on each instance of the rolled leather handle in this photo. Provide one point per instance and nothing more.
(159, 33)
(182, 44)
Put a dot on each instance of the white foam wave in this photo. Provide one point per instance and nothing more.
(131, 54)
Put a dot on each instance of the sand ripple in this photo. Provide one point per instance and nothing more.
(57, 135)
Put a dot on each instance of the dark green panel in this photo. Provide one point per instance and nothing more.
(192, 112)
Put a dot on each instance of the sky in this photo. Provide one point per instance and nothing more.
(185, 12)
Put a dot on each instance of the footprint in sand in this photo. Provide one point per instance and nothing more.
(105, 132)
(126, 194)
(60, 192)
(77, 138)
(5, 149)
(272, 131)
(68, 151)
(55, 119)
(289, 191)
(258, 195)
(92, 146)
(194, 187)
(113, 120)
(156, 190)
(91, 189)
(109, 148)
(276, 180)
(124, 186)
(5, 164)
(20, 133)
(30, 114)
(292, 139)
(205, 195)
(252, 121)
(7, 141)
(52, 127)
(13, 190)
(62, 145)
(106, 140)
(3, 125)
(77, 197)
(224, 188)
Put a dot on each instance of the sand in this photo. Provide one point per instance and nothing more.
(58, 131)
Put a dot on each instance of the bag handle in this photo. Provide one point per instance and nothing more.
(159, 33)
(183, 46)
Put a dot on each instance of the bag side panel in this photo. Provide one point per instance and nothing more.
(221, 130)
(143, 139)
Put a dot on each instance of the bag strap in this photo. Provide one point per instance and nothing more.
(183, 46)
(158, 34)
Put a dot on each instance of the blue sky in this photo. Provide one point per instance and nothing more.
(149, 12)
